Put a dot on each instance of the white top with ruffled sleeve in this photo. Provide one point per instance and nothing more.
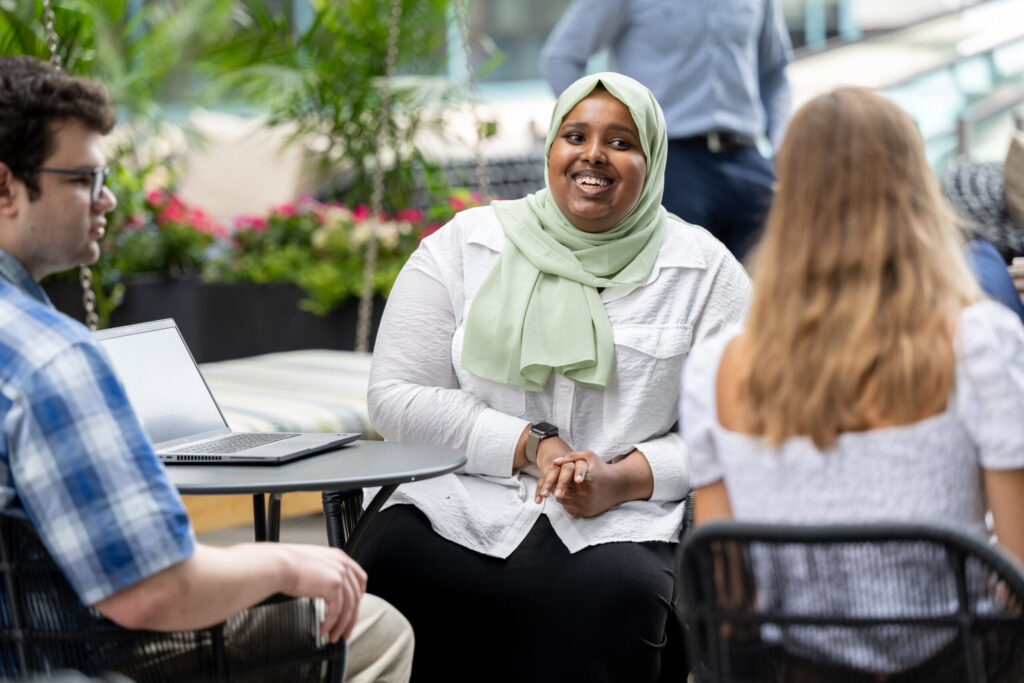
(927, 471)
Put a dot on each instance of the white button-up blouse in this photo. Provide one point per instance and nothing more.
(420, 393)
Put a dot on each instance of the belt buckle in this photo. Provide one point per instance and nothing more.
(714, 142)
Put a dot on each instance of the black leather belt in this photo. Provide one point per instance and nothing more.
(718, 141)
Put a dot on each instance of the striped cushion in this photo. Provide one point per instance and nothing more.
(294, 391)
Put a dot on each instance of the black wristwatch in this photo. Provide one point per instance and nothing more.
(538, 432)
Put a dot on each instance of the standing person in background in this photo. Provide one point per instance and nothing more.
(718, 71)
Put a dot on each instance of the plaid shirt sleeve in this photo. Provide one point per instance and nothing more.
(88, 478)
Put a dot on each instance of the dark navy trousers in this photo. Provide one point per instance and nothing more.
(727, 192)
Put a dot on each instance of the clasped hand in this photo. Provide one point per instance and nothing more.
(583, 483)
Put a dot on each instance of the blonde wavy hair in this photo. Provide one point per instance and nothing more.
(857, 280)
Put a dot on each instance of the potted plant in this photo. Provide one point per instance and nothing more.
(285, 280)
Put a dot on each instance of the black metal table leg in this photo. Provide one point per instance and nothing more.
(274, 518)
(259, 516)
(352, 544)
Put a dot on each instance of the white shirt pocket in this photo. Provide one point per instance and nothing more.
(641, 400)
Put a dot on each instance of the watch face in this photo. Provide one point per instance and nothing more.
(545, 429)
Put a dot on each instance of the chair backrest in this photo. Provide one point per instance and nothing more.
(688, 514)
(44, 627)
(892, 602)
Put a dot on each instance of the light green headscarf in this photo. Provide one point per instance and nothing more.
(538, 309)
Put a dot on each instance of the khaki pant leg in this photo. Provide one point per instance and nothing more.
(380, 649)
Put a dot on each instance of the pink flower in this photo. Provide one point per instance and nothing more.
(411, 215)
(430, 230)
(476, 198)
(286, 210)
(254, 223)
(361, 212)
(201, 223)
(456, 203)
(135, 221)
(172, 214)
(155, 197)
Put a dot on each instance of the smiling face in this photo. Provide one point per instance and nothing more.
(61, 227)
(596, 165)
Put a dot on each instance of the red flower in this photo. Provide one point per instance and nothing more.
(430, 230)
(411, 215)
(254, 223)
(200, 222)
(172, 214)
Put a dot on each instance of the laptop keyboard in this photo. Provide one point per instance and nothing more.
(232, 443)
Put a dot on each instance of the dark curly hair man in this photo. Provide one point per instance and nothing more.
(34, 97)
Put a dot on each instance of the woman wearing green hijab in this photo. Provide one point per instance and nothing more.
(545, 337)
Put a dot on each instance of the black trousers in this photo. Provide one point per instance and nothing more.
(727, 192)
(605, 613)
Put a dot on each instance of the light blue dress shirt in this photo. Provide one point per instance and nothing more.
(713, 65)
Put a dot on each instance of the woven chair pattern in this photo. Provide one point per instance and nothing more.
(44, 627)
(855, 603)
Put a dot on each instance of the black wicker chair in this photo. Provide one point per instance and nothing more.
(852, 603)
(44, 627)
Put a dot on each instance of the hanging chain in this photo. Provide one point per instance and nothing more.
(51, 33)
(88, 298)
(482, 171)
(377, 194)
(84, 274)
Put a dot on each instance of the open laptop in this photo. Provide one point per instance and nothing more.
(178, 411)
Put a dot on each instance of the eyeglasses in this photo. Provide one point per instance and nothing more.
(98, 175)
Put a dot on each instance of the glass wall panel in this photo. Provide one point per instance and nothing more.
(518, 29)
(987, 90)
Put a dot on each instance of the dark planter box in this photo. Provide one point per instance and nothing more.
(221, 321)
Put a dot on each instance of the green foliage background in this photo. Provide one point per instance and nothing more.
(323, 75)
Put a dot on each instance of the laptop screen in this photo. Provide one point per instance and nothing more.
(162, 381)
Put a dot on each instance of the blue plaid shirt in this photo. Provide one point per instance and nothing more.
(74, 456)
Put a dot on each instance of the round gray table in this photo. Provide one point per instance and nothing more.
(334, 472)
